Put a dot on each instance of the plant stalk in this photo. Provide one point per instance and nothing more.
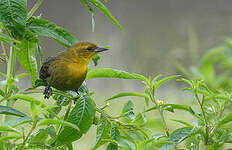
(205, 120)
(152, 97)
(34, 8)
(28, 135)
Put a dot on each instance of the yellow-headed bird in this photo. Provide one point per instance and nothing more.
(68, 70)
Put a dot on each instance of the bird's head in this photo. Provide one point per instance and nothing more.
(87, 50)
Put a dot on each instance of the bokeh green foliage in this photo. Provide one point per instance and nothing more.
(58, 125)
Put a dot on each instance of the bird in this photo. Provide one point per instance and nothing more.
(67, 71)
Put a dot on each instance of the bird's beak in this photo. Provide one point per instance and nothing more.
(99, 49)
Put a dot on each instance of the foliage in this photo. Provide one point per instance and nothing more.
(58, 125)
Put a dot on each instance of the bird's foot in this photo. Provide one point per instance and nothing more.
(47, 92)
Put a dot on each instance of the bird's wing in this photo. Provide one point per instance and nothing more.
(44, 72)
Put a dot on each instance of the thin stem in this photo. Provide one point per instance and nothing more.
(65, 117)
(35, 7)
(28, 135)
(152, 97)
(10, 74)
(201, 103)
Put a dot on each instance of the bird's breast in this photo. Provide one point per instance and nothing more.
(76, 70)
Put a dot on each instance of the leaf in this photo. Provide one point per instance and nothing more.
(40, 136)
(39, 83)
(128, 94)
(114, 134)
(2, 93)
(160, 82)
(171, 107)
(28, 99)
(13, 14)
(18, 121)
(98, 4)
(11, 111)
(34, 111)
(9, 137)
(8, 129)
(139, 120)
(112, 73)
(128, 111)
(44, 27)
(182, 122)
(226, 119)
(103, 132)
(45, 122)
(177, 136)
(95, 60)
(27, 59)
(125, 144)
(8, 40)
(82, 115)
(40, 52)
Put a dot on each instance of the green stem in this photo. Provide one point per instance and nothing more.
(10, 73)
(35, 7)
(152, 97)
(65, 117)
(204, 116)
(28, 135)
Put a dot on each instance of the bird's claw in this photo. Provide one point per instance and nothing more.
(47, 92)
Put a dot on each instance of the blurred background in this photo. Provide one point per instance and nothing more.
(159, 34)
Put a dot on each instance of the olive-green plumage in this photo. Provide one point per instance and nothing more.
(68, 70)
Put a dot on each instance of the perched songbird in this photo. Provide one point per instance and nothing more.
(68, 70)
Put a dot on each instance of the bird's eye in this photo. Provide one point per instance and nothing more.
(89, 48)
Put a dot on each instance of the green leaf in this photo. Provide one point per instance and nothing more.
(13, 14)
(128, 94)
(48, 122)
(112, 73)
(28, 99)
(8, 40)
(114, 134)
(82, 115)
(40, 136)
(34, 111)
(103, 132)
(95, 60)
(125, 144)
(171, 107)
(8, 129)
(2, 93)
(182, 122)
(226, 119)
(98, 4)
(39, 83)
(27, 59)
(177, 136)
(40, 52)
(44, 27)
(128, 111)
(11, 111)
(160, 82)
(9, 137)
(18, 121)
(139, 120)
